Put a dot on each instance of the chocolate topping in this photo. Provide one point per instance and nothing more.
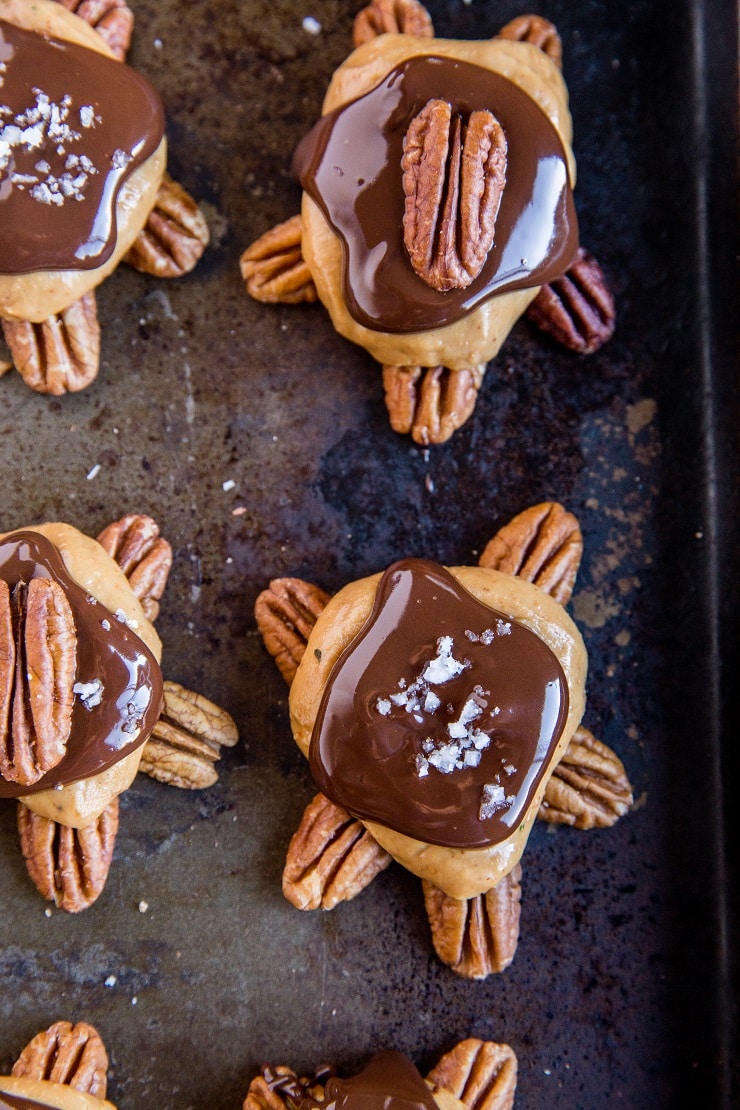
(350, 164)
(118, 681)
(74, 125)
(442, 715)
(389, 1082)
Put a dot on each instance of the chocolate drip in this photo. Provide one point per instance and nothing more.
(74, 125)
(441, 717)
(350, 164)
(107, 652)
(389, 1082)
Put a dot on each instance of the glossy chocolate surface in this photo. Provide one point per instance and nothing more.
(446, 746)
(74, 125)
(389, 1082)
(350, 164)
(107, 651)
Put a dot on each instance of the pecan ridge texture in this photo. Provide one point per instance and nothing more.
(73, 1055)
(62, 353)
(405, 17)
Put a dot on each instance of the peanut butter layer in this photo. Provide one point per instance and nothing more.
(81, 802)
(459, 872)
(477, 337)
(20, 1093)
(35, 286)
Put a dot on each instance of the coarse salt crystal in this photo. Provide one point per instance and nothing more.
(227, 485)
(89, 693)
(311, 26)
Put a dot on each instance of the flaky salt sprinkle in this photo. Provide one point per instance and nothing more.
(89, 693)
(494, 799)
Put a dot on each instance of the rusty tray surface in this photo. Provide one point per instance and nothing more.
(192, 965)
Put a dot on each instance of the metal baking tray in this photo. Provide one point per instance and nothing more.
(191, 964)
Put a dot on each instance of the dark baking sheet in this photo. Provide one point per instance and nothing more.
(621, 992)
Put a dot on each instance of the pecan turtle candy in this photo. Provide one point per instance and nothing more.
(437, 209)
(83, 184)
(474, 1075)
(83, 705)
(64, 1067)
(440, 710)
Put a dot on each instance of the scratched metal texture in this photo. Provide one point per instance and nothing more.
(191, 964)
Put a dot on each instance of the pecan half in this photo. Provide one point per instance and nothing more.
(38, 660)
(405, 17)
(453, 179)
(285, 614)
(482, 1074)
(577, 309)
(540, 32)
(331, 858)
(112, 19)
(68, 866)
(62, 353)
(143, 556)
(430, 402)
(186, 741)
(543, 544)
(589, 788)
(279, 1088)
(274, 269)
(476, 936)
(73, 1055)
(174, 235)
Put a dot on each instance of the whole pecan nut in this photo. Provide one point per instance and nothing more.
(577, 309)
(454, 173)
(331, 858)
(144, 557)
(405, 17)
(589, 788)
(285, 614)
(476, 936)
(543, 544)
(62, 353)
(38, 661)
(481, 1074)
(430, 402)
(68, 866)
(186, 741)
(73, 1055)
(274, 269)
(174, 236)
(537, 30)
(112, 19)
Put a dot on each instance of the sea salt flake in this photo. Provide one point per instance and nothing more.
(89, 693)
(503, 628)
(493, 800)
(383, 706)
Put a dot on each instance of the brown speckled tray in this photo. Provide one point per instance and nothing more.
(191, 964)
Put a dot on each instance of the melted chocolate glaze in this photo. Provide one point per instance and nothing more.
(118, 120)
(389, 1082)
(132, 680)
(350, 164)
(367, 750)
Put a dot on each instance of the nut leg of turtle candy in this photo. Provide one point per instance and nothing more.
(62, 353)
(542, 544)
(405, 17)
(280, 1088)
(577, 309)
(68, 866)
(430, 402)
(112, 19)
(274, 269)
(540, 32)
(481, 1074)
(330, 859)
(174, 236)
(143, 555)
(476, 936)
(186, 741)
(589, 788)
(285, 614)
(73, 1055)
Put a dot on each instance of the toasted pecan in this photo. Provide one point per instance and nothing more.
(589, 787)
(481, 1074)
(274, 269)
(174, 236)
(537, 30)
(542, 544)
(285, 614)
(62, 353)
(380, 17)
(476, 936)
(186, 741)
(73, 1055)
(143, 556)
(430, 402)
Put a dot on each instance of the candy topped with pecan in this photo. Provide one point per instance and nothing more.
(83, 184)
(82, 702)
(438, 202)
